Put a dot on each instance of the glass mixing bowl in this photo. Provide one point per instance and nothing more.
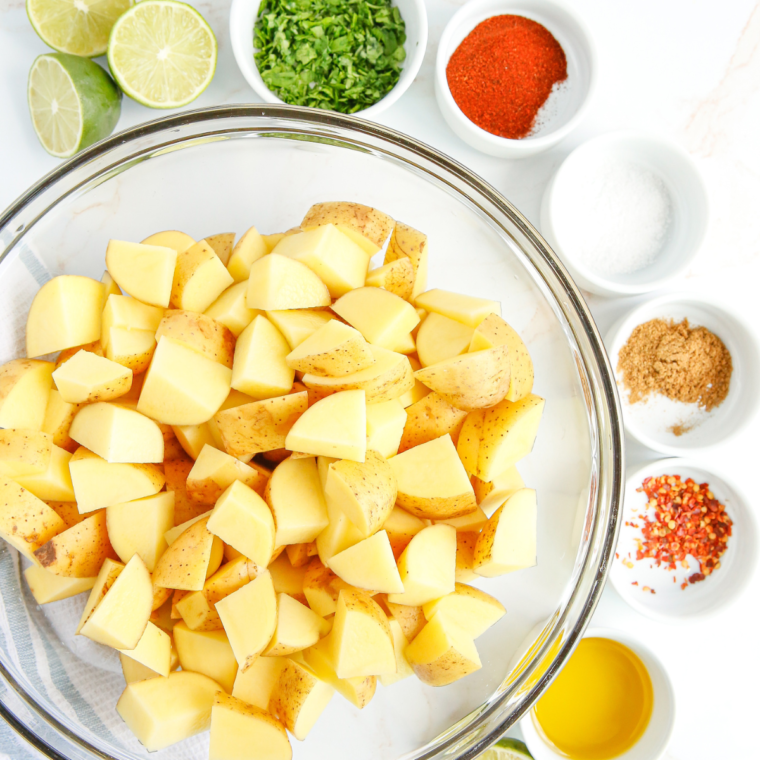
(225, 169)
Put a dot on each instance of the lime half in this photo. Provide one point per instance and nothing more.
(162, 53)
(507, 749)
(79, 27)
(73, 103)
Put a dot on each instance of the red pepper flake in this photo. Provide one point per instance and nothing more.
(634, 583)
(681, 526)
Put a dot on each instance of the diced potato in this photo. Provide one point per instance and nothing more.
(491, 495)
(86, 378)
(472, 609)
(405, 344)
(297, 628)
(333, 350)
(256, 684)
(120, 616)
(236, 727)
(242, 519)
(132, 349)
(99, 484)
(24, 389)
(381, 317)
(321, 587)
(508, 540)
(397, 277)
(199, 332)
(129, 314)
(442, 653)
(259, 368)
(406, 242)
(234, 399)
(249, 617)
(175, 239)
(472, 521)
(338, 261)
(336, 426)
(200, 278)
(24, 452)
(55, 483)
(468, 310)
(388, 378)
(497, 438)
(67, 511)
(65, 312)
(294, 495)
(79, 551)
(206, 652)
(427, 566)
(494, 331)
(193, 438)
(432, 481)
(144, 271)
(214, 471)
(401, 527)
(133, 671)
(338, 535)
(441, 338)
(222, 243)
(58, 418)
(418, 391)
(298, 324)
(278, 282)
(174, 533)
(118, 434)
(261, 425)
(470, 381)
(466, 543)
(300, 554)
(110, 287)
(93, 348)
(369, 565)
(385, 427)
(153, 651)
(182, 387)
(360, 640)
(365, 491)
(299, 698)
(138, 527)
(190, 559)
(108, 574)
(371, 224)
(400, 643)
(286, 578)
(411, 620)
(429, 418)
(250, 248)
(177, 471)
(48, 587)
(231, 309)
(163, 711)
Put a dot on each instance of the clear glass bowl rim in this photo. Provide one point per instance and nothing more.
(473, 734)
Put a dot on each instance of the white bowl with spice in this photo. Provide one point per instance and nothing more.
(626, 212)
(713, 542)
(243, 16)
(479, 51)
(685, 387)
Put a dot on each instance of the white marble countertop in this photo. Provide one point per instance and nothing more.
(686, 69)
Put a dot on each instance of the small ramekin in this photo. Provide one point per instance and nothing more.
(654, 741)
(573, 35)
(243, 15)
(690, 210)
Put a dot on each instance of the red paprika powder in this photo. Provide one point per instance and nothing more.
(503, 72)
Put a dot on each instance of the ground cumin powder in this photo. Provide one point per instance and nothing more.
(683, 363)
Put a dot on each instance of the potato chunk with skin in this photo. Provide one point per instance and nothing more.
(24, 389)
(334, 350)
(466, 543)
(153, 650)
(508, 540)
(24, 452)
(179, 241)
(206, 652)
(368, 222)
(86, 378)
(298, 324)
(163, 711)
(118, 434)
(55, 483)
(236, 727)
(321, 587)
(468, 310)
(441, 338)
(294, 495)
(231, 309)
(336, 426)
(491, 495)
(177, 471)
(429, 418)
(299, 698)
(338, 535)
(58, 418)
(401, 527)
(411, 620)
(471, 522)
(214, 471)
(397, 277)
(199, 332)
(222, 243)
(432, 482)
(385, 427)
(278, 282)
(286, 578)
(259, 368)
(408, 243)
(185, 564)
(132, 349)
(261, 425)
(65, 312)
(427, 566)
(369, 565)
(365, 491)
(143, 271)
(129, 314)
(249, 249)
(47, 587)
(472, 609)
(200, 278)
(297, 628)
(442, 652)
(400, 643)
(94, 348)
(256, 684)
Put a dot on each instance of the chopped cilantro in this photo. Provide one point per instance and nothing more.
(338, 55)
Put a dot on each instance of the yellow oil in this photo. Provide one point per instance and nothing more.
(600, 704)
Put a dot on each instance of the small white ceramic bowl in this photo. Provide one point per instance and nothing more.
(670, 603)
(243, 15)
(651, 421)
(654, 741)
(568, 105)
(689, 220)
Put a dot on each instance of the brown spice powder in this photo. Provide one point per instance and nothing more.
(683, 363)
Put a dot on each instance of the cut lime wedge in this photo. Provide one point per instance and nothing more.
(72, 101)
(507, 749)
(162, 53)
(79, 27)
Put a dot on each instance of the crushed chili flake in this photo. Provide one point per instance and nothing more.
(688, 520)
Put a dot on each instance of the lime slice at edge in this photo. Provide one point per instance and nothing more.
(507, 749)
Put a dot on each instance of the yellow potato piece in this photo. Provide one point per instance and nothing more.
(214, 471)
(86, 378)
(222, 243)
(287, 579)
(411, 620)
(58, 418)
(177, 471)
(472, 521)
(335, 426)
(298, 324)
(206, 652)
(427, 566)
(491, 495)
(189, 559)
(108, 574)
(338, 535)
(369, 565)
(397, 277)
(234, 399)
(429, 418)
(297, 628)
(153, 651)
(400, 643)
(199, 332)
(128, 314)
(65, 312)
(401, 527)
(143, 271)
(385, 427)
(278, 282)
(442, 653)
(466, 543)
(441, 338)
(250, 248)
(24, 389)
(163, 711)
(468, 310)
(48, 587)
(408, 243)
(131, 348)
(193, 438)
(200, 278)
(372, 225)
(175, 239)
(472, 609)
(333, 350)
(110, 288)
(321, 587)
(231, 309)
(55, 483)
(256, 684)
(24, 452)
